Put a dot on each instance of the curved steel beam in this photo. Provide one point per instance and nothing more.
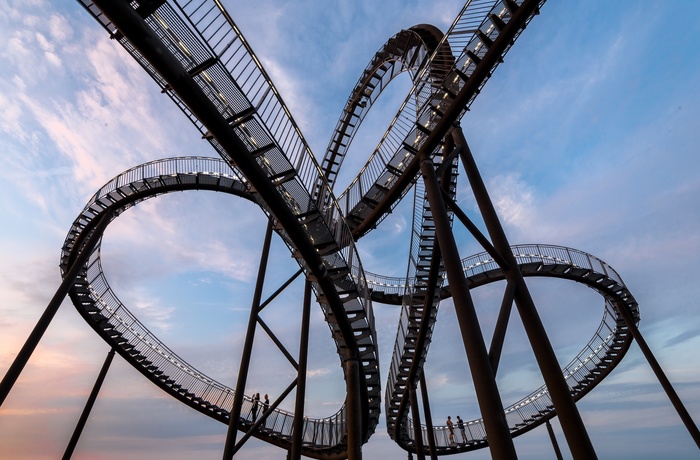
(97, 303)
(593, 363)
(157, 37)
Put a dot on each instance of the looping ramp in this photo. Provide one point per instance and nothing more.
(199, 58)
(594, 362)
(102, 309)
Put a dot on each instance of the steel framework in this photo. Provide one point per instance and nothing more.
(199, 58)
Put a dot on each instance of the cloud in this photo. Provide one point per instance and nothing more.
(151, 311)
(60, 28)
(311, 373)
(683, 337)
(513, 199)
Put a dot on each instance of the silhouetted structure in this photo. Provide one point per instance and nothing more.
(198, 57)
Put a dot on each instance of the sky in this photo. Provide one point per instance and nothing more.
(586, 135)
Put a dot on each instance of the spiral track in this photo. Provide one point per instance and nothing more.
(199, 58)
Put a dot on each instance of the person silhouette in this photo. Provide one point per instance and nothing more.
(265, 406)
(460, 425)
(451, 429)
(256, 403)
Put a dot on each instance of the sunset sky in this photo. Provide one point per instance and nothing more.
(587, 136)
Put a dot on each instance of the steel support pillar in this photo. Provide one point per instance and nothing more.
(353, 407)
(428, 417)
(553, 438)
(40, 328)
(88, 406)
(235, 415)
(488, 397)
(298, 424)
(570, 419)
(499, 332)
(659, 372)
(417, 433)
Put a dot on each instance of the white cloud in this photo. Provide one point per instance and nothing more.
(311, 373)
(151, 311)
(60, 28)
(513, 199)
(10, 114)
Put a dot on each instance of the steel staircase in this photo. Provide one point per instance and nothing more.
(99, 305)
(596, 360)
(231, 100)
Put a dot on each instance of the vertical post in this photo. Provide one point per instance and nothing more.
(298, 424)
(235, 414)
(488, 397)
(428, 416)
(499, 332)
(354, 410)
(659, 372)
(33, 340)
(555, 444)
(417, 434)
(88, 406)
(569, 417)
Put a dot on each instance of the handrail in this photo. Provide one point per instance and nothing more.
(598, 357)
(424, 105)
(204, 40)
(100, 306)
(484, 262)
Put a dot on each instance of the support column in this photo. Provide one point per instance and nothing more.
(417, 434)
(298, 424)
(499, 332)
(428, 417)
(33, 340)
(553, 438)
(569, 417)
(352, 405)
(235, 415)
(88, 406)
(663, 380)
(488, 397)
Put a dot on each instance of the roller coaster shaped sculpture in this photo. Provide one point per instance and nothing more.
(199, 58)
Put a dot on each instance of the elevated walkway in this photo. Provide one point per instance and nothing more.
(591, 365)
(99, 305)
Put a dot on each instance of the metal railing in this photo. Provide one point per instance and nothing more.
(203, 38)
(426, 102)
(597, 358)
(93, 295)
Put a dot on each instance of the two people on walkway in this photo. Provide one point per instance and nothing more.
(451, 430)
(256, 405)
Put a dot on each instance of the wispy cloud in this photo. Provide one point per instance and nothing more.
(311, 373)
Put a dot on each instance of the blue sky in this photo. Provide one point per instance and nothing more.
(586, 135)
